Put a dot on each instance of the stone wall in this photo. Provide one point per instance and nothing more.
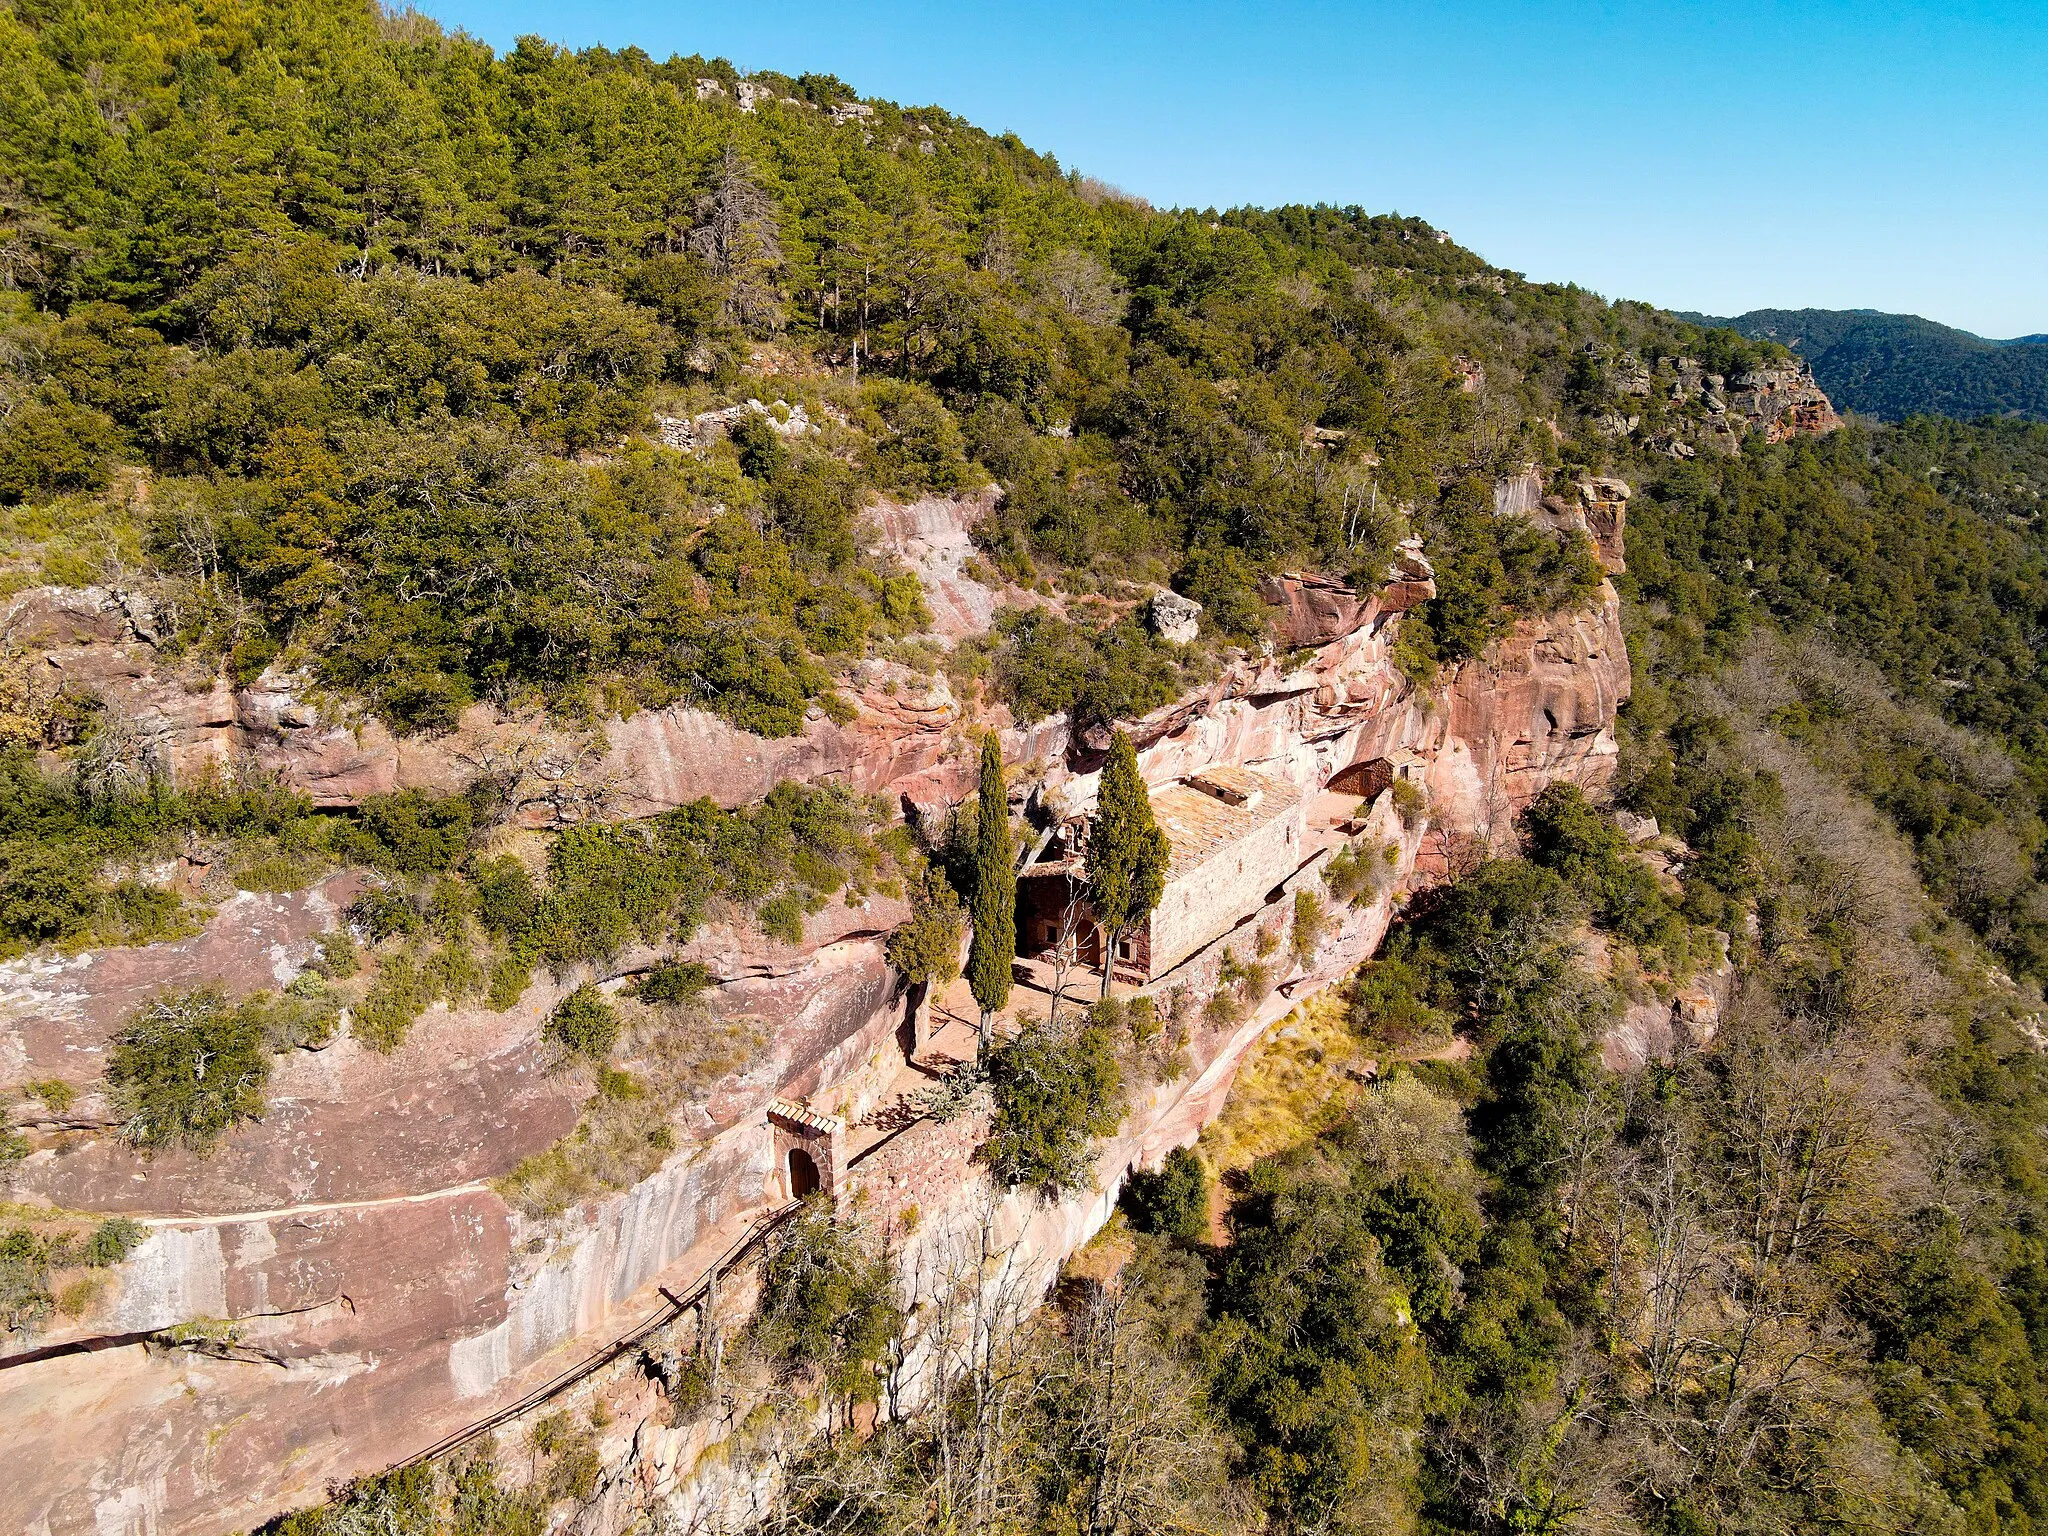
(1209, 899)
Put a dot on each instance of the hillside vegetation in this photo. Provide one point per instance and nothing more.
(351, 345)
(386, 320)
(1895, 366)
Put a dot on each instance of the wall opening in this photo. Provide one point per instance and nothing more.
(1365, 778)
(803, 1174)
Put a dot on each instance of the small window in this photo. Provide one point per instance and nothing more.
(1125, 948)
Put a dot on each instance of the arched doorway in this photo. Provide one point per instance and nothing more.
(803, 1174)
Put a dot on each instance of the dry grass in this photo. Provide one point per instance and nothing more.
(674, 1053)
(1287, 1087)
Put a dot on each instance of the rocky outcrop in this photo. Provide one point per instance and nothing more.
(1661, 1027)
(1175, 619)
(103, 642)
(706, 427)
(1783, 402)
(1313, 611)
(1597, 508)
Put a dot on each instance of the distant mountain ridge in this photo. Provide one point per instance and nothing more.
(1895, 366)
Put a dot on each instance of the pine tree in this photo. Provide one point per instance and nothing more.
(1127, 853)
(995, 894)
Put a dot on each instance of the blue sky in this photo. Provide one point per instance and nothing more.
(1718, 157)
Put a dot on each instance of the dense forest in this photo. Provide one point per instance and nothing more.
(1895, 366)
(387, 319)
(351, 344)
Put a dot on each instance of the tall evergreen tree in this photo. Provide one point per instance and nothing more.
(995, 894)
(1127, 853)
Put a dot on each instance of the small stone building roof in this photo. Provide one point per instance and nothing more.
(803, 1119)
(1215, 808)
(1202, 815)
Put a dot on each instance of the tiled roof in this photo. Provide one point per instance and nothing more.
(1200, 817)
(801, 1117)
(1199, 825)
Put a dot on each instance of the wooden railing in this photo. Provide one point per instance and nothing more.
(673, 1307)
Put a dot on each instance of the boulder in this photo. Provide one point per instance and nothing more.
(1175, 619)
(1638, 829)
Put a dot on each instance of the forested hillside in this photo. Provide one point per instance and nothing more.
(1895, 366)
(386, 319)
(361, 352)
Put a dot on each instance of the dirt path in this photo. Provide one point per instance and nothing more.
(230, 1218)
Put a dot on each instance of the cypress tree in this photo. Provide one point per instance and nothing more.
(995, 893)
(1127, 853)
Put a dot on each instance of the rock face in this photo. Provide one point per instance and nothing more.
(1659, 1028)
(101, 641)
(386, 1294)
(933, 536)
(57, 1011)
(1598, 509)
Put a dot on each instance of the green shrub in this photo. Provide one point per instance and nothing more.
(926, 949)
(1055, 1088)
(409, 833)
(187, 1068)
(56, 1094)
(1411, 802)
(304, 1016)
(384, 912)
(783, 857)
(758, 447)
(1311, 926)
(339, 958)
(1562, 831)
(46, 895)
(480, 1505)
(1172, 1202)
(569, 1453)
(399, 993)
(608, 885)
(25, 1298)
(111, 1242)
(678, 981)
(828, 1302)
(454, 972)
(405, 1502)
(504, 894)
(1097, 676)
(919, 447)
(1388, 1003)
(1359, 871)
(585, 1024)
(138, 913)
(510, 976)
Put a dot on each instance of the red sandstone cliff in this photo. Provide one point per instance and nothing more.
(385, 1294)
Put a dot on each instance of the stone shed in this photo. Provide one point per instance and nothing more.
(1235, 835)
